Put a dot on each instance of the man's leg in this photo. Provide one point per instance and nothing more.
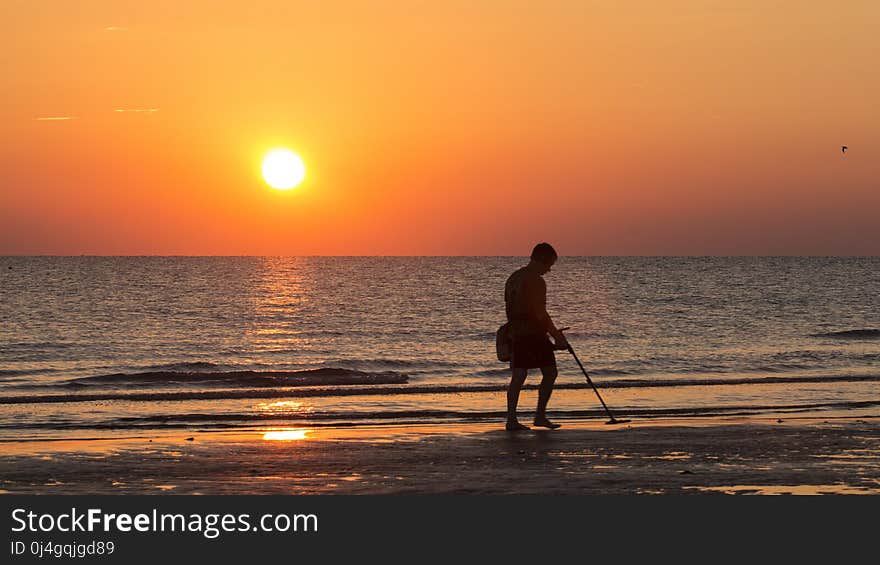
(517, 379)
(545, 389)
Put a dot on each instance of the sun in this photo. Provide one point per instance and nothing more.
(283, 169)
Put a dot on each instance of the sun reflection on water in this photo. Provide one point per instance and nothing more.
(280, 406)
(285, 435)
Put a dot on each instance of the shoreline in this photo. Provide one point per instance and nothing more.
(799, 455)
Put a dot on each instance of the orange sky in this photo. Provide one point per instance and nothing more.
(443, 128)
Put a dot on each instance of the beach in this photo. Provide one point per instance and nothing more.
(312, 375)
(805, 455)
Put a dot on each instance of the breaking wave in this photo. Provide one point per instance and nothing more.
(328, 388)
(206, 376)
(868, 333)
(342, 418)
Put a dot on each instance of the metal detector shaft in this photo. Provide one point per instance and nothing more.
(589, 380)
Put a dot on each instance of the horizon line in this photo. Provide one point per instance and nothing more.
(693, 256)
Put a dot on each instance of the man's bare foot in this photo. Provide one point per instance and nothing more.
(515, 426)
(545, 423)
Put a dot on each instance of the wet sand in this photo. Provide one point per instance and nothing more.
(797, 456)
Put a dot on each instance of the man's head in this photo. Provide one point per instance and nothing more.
(543, 257)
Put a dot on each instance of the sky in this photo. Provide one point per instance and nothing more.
(454, 127)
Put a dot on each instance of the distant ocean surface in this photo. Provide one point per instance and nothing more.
(137, 344)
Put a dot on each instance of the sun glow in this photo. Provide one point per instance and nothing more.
(283, 169)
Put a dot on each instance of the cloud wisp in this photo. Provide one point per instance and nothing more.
(137, 110)
(147, 111)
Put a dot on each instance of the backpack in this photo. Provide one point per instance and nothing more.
(503, 344)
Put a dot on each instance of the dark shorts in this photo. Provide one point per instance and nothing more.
(532, 352)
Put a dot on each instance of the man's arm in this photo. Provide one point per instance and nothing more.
(537, 293)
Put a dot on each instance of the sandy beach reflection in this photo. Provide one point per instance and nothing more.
(285, 435)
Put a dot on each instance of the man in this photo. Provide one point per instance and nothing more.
(525, 298)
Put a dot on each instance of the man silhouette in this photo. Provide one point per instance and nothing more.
(525, 298)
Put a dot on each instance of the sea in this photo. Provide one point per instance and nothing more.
(134, 346)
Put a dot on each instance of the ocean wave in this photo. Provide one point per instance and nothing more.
(434, 414)
(490, 336)
(601, 372)
(341, 419)
(595, 335)
(41, 345)
(500, 373)
(24, 372)
(778, 368)
(605, 372)
(376, 388)
(868, 333)
(186, 366)
(327, 376)
(391, 363)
